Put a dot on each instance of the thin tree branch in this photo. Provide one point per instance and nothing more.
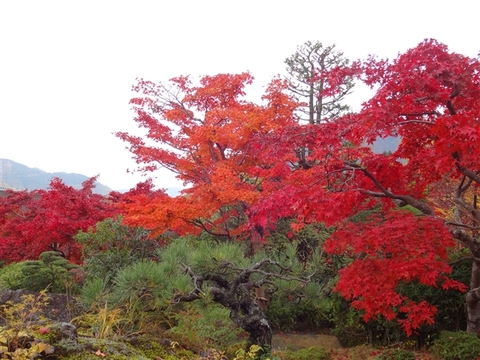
(407, 199)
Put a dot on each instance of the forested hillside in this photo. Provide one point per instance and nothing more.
(18, 176)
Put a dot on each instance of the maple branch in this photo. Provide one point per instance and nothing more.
(211, 149)
(344, 181)
(176, 101)
(469, 173)
(459, 200)
(245, 149)
(459, 232)
(222, 151)
(416, 122)
(18, 214)
(466, 206)
(406, 199)
(418, 100)
(420, 113)
(455, 92)
(463, 237)
(201, 224)
(469, 227)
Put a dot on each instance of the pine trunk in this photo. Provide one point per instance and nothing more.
(254, 321)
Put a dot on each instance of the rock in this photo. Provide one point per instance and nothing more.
(65, 331)
(60, 307)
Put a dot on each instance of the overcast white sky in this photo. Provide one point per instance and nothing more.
(66, 67)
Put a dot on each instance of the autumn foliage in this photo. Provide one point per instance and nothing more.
(429, 98)
(205, 134)
(248, 165)
(32, 222)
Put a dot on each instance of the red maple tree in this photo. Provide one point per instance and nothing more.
(429, 98)
(249, 165)
(204, 134)
(32, 222)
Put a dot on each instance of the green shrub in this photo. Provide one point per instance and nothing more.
(112, 246)
(255, 352)
(350, 329)
(94, 294)
(204, 324)
(396, 354)
(457, 346)
(144, 291)
(297, 308)
(50, 271)
(11, 276)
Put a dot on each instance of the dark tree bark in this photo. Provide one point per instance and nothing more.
(233, 288)
(246, 313)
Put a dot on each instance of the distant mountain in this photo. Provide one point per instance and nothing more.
(20, 177)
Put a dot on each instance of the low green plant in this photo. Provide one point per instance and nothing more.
(138, 300)
(255, 352)
(153, 349)
(11, 276)
(349, 327)
(112, 246)
(205, 324)
(396, 354)
(18, 337)
(311, 353)
(297, 307)
(106, 323)
(458, 345)
(144, 292)
(94, 293)
(50, 270)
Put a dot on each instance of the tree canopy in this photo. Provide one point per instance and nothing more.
(239, 162)
(32, 222)
(428, 97)
(205, 134)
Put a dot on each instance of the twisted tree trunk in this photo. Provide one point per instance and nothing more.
(473, 299)
(235, 290)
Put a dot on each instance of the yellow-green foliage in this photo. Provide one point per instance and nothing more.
(153, 350)
(107, 323)
(252, 353)
(22, 321)
(11, 276)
